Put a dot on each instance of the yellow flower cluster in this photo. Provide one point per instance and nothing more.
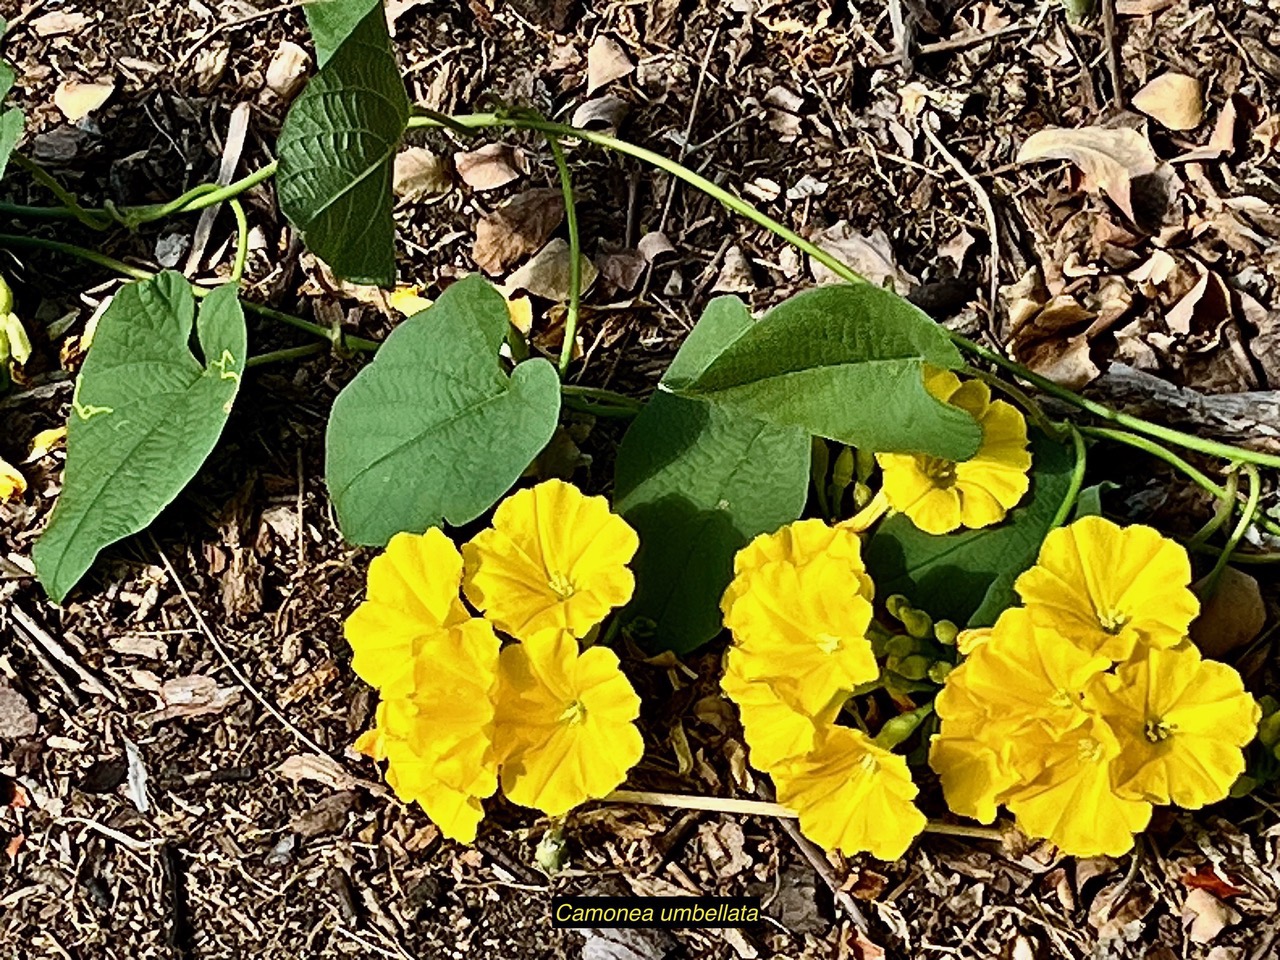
(1087, 705)
(939, 495)
(459, 712)
(799, 608)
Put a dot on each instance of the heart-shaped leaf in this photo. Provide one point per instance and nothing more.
(332, 21)
(846, 363)
(10, 120)
(968, 577)
(433, 428)
(145, 415)
(337, 149)
(698, 482)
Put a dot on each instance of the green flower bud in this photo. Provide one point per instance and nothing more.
(918, 623)
(939, 670)
(901, 646)
(914, 667)
(946, 632)
(895, 604)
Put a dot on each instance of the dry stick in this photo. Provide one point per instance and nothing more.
(38, 635)
(231, 665)
(954, 43)
(984, 201)
(818, 860)
(1113, 52)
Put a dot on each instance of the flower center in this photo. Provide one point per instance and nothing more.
(869, 764)
(1061, 699)
(561, 585)
(941, 472)
(1157, 731)
(1112, 623)
(574, 713)
(1090, 750)
(829, 642)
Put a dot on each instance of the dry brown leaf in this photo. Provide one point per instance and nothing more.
(194, 696)
(287, 70)
(1223, 139)
(870, 254)
(1174, 99)
(419, 173)
(547, 274)
(17, 720)
(493, 165)
(1205, 916)
(1142, 8)
(1109, 159)
(312, 766)
(210, 64)
(517, 228)
(607, 61)
(655, 247)
(623, 269)
(735, 275)
(956, 248)
(1066, 362)
(398, 8)
(59, 22)
(602, 113)
(1232, 617)
(1203, 308)
(77, 100)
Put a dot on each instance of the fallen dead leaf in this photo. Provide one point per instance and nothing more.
(1174, 99)
(546, 275)
(58, 23)
(516, 229)
(655, 247)
(736, 274)
(870, 254)
(607, 61)
(956, 248)
(1110, 159)
(77, 100)
(1231, 617)
(493, 165)
(419, 173)
(1207, 877)
(17, 719)
(210, 64)
(1202, 309)
(151, 648)
(1205, 916)
(194, 696)
(623, 269)
(602, 113)
(287, 70)
(1067, 362)
(326, 815)
(312, 766)
(1222, 141)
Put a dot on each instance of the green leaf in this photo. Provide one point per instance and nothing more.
(1089, 503)
(698, 482)
(846, 363)
(10, 121)
(336, 153)
(433, 428)
(968, 577)
(145, 415)
(332, 21)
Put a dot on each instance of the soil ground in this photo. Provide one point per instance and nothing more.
(163, 807)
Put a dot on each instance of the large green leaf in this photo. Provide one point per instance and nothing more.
(697, 482)
(968, 577)
(847, 363)
(336, 153)
(332, 21)
(145, 415)
(10, 120)
(433, 428)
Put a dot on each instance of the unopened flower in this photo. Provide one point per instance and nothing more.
(852, 795)
(413, 596)
(566, 728)
(1108, 588)
(554, 561)
(942, 495)
(1182, 723)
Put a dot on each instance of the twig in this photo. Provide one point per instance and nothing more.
(984, 201)
(679, 801)
(21, 19)
(1113, 52)
(37, 634)
(818, 860)
(231, 664)
(953, 44)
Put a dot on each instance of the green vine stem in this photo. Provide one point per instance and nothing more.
(1250, 508)
(67, 198)
(575, 257)
(288, 353)
(1077, 478)
(137, 273)
(242, 240)
(1221, 514)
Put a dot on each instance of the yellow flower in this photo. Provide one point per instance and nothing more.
(1182, 723)
(1073, 803)
(1020, 683)
(12, 484)
(798, 543)
(412, 597)
(807, 624)
(1109, 589)
(941, 495)
(775, 720)
(852, 795)
(438, 739)
(554, 560)
(565, 723)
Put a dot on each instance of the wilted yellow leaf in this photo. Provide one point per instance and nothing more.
(1109, 159)
(12, 484)
(46, 440)
(1174, 99)
(77, 100)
